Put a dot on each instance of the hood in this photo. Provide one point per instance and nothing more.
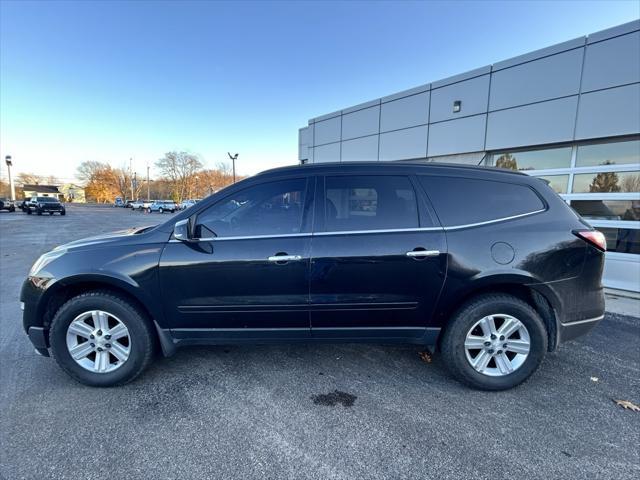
(106, 238)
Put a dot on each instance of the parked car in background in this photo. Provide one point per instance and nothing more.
(49, 205)
(22, 205)
(141, 204)
(6, 204)
(367, 252)
(128, 204)
(162, 206)
(119, 202)
(189, 203)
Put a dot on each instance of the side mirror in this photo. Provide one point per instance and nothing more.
(181, 231)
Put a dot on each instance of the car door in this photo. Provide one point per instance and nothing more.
(249, 277)
(378, 258)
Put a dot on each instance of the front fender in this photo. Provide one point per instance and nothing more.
(128, 268)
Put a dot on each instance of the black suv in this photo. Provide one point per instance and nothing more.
(42, 205)
(489, 265)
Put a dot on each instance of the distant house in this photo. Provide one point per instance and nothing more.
(42, 191)
(72, 193)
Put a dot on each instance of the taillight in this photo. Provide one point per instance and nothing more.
(594, 237)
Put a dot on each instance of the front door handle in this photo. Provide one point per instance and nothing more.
(284, 258)
(423, 253)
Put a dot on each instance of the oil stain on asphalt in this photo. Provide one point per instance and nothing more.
(334, 398)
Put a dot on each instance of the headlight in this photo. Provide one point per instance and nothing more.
(45, 260)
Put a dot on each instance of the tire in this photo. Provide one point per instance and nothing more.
(63, 212)
(29, 212)
(140, 339)
(12, 209)
(161, 210)
(458, 358)
(50, 213)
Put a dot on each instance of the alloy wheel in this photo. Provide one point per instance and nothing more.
(497, 345)
(98, 341)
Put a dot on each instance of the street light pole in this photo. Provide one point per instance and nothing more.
(9, 162)
(233, 162)
(148, 194)
(131, 176)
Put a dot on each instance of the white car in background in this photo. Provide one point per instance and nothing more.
(189, 203)
(141, 204)
(162, 206)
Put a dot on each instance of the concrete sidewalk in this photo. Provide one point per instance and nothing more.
(622, 302)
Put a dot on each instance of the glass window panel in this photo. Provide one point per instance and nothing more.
(618, 153)
(559, 183)
(266, 209)
(622, 240)
(534, 160)
(462, 201)
(369, 202)
(608, 209)
(607, 182)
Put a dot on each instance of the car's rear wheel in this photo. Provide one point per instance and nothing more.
(161, 210)
(494, 342)
(28, 210)
(63, 212)
(101, 339)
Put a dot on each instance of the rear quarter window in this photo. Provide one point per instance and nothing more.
(463, 201)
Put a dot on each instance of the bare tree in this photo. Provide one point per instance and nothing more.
(29, 179)
(630, 183)
(506, 160)
(89, 169)
(180, 169)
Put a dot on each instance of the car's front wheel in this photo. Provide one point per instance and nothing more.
(494, 342)
(101, 339)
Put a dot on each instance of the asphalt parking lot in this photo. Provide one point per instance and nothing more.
(304, 411)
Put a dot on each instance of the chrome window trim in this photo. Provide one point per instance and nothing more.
(489, 222)
(360, 232)
(249, 237)
(384, 230)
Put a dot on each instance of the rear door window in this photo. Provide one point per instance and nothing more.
(369, 202)
(464, 201)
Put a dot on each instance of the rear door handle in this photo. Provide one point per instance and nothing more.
(285, 258)
(423, 253)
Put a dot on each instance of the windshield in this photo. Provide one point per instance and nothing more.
(47, 200)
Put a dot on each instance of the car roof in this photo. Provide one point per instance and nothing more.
(410, 167)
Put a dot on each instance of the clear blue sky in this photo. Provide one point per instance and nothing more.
(112, 80)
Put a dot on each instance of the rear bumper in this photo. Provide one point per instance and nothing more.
(569, 331)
